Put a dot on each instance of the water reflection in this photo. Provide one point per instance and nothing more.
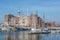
(21, 35)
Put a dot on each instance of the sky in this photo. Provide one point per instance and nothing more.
(51, 8)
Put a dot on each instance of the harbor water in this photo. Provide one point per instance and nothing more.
(23, 35)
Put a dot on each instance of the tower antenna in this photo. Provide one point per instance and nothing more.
(19, 13)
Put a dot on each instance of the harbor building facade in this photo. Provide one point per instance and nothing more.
(33, 21)
(50, 24)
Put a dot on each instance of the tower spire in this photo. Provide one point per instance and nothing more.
(19, 13)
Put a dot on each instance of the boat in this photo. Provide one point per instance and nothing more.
(5, 29)
(46, 32)
(22, 29)
(38, 31)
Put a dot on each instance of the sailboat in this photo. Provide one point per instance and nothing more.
(42, 30)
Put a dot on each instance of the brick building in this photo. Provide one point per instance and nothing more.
(23, 21)
(50, 24)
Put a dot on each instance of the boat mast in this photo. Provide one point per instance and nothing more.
(27, 11)
(37, 20)
(44, 19)
(43, 22)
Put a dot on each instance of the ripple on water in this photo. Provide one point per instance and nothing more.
(50, 37)
(42, 36)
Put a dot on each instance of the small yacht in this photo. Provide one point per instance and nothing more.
(38, 31)
(5, 29)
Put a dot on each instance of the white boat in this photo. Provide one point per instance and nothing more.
(4, 29)
(35, 30)
(38, 31)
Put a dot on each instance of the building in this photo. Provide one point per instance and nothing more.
(8, 18)
(36, 20)
(25, 21)
(33, 20)
(50, 24)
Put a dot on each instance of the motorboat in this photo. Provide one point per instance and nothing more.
(22, 29)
